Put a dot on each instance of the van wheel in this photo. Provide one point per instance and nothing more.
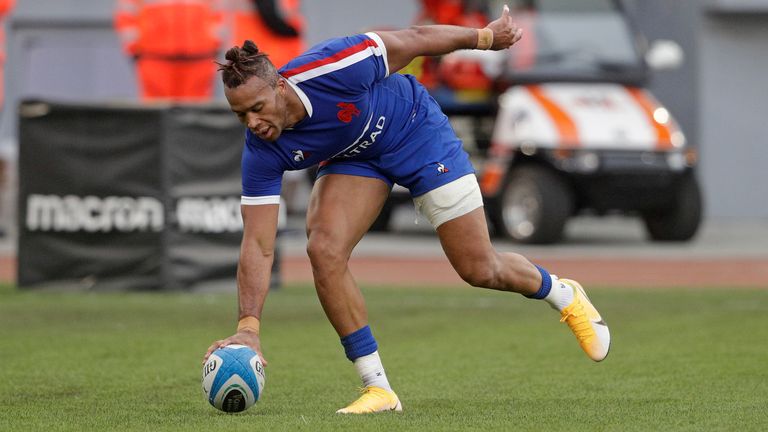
(680, 220)
(534, 206)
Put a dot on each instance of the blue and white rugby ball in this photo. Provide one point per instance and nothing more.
(233, 378)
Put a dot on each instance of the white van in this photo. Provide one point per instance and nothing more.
(566, 124)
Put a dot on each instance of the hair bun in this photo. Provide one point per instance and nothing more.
(233, 54)
(245, 62)
(250, 47)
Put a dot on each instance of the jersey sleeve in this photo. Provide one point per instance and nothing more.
(262, 174)
(350, 64)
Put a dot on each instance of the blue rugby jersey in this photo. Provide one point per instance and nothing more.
(356, 110)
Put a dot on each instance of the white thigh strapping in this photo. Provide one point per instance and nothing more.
(450, 201)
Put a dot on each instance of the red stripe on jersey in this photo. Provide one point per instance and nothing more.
(354, 49)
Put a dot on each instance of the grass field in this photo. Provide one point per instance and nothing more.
(460, 359)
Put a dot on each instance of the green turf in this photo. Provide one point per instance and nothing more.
(460, 358)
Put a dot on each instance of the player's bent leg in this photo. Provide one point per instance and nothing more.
(464, 236)
(456, 211)
(341, 209)
(467, 245)
(464, 246)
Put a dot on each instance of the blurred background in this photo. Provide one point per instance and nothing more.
(620, 143)
(86, 74)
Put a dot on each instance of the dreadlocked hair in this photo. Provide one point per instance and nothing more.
(244, 63)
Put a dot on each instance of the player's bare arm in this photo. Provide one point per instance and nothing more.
(253, 274)
(433, 40)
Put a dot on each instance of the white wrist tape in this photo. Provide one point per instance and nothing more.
(484, 38)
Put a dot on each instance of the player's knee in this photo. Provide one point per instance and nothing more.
(325, 251)
(479, 274)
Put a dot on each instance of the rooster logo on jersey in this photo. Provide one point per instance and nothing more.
(346, 111)
(300, 155)
(441, 169)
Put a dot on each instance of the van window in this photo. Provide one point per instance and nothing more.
(561, 5)
(566, 40)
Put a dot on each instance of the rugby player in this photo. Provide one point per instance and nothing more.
(341, 105)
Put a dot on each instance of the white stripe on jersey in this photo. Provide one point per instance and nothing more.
(260, 200)
(302, 96)
(382, 49)
(341, 64)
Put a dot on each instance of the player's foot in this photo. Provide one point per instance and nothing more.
(374, 399)
(586, 323)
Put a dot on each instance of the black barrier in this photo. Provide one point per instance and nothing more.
(128, 197)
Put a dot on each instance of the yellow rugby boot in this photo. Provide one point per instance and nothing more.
(374, 399)
(586, 323)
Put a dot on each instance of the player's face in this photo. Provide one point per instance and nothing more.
(261, 108)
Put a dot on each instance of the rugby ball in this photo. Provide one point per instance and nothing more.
(233, 378)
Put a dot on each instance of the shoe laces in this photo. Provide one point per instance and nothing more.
(576, 318)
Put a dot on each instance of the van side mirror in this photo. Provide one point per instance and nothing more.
(664, 54)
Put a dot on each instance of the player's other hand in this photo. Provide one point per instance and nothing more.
(244, 337)
(505, 32)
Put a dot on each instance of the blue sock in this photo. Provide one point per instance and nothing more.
(546, 285)
(359, 343)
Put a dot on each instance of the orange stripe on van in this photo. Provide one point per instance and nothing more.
(563, 122)
(490, 181)
(663, 134)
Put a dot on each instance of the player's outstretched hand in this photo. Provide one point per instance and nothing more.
(505, 32)
(243, 337)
